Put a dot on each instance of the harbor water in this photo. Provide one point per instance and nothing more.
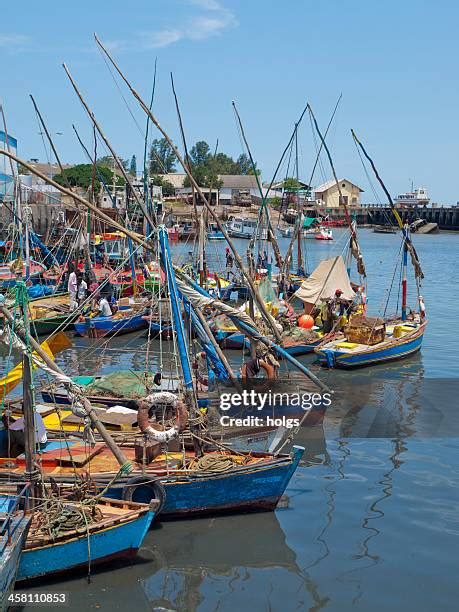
(370, 521)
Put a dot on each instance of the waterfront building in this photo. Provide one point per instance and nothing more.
(327, 195)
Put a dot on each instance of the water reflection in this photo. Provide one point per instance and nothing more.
(214, 559)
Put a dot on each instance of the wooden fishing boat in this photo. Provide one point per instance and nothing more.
(14, 526)
(218, 482)
(48, 314)
(124, 321)
(110, 530)
(340, 353)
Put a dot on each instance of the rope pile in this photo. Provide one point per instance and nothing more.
(55, 518)
(212, 463)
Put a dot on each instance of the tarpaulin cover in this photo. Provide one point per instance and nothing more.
(330, 275)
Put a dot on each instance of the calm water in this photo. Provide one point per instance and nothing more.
(371, 519)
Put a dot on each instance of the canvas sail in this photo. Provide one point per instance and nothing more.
(330, 275)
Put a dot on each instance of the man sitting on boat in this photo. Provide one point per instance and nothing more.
(103, 307)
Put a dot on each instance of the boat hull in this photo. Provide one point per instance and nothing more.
(115, 541)
(257, 489)
(98, 327)
(383, 354)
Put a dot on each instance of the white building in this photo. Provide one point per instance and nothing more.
(237, 188)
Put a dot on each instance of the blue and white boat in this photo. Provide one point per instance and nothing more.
(126, 320)
(242, 227)
(213, 233)
(339, 354)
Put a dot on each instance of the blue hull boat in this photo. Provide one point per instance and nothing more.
(13, 532)
(98, 327)
(237, 341)
(119, 534)
(245, 489)
(391, 349)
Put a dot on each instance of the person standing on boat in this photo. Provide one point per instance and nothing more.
(82, 289)
(422, 308)
(360, 300)
(72, 287)
(229, 262)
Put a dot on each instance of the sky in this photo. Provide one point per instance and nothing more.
(394, 62)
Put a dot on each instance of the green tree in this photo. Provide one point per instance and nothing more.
(133, 166)
(162, 157)
(291, 184)
(81, 176)
(200, 154)
(244, 164)
(160, 181)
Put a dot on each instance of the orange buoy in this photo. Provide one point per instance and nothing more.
(306, 321)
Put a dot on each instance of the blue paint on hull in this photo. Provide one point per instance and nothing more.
(119, 540)
(342, 359)
(237, 341)
(257, 489)
(106, 326)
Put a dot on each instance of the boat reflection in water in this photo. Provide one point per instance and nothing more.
(198, 562)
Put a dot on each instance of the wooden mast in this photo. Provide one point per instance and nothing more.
(261, 305)
(354, 245)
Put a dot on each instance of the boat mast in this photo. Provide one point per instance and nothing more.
(18, 201)
(146, 164)
(298, 207)
(107, 142)
(31, 474)
(260, 303)
(407, 244)
(354, 243)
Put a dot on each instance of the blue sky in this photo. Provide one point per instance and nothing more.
(395, 62)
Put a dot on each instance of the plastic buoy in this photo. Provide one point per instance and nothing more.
(306, 321)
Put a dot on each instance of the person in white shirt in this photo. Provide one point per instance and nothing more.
(422, 308)
(72, 286)
(104, 307)
(82, 290)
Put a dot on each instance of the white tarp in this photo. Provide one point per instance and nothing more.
(330, 275)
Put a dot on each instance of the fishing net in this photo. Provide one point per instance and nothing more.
(299, 334)
(124, 383)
